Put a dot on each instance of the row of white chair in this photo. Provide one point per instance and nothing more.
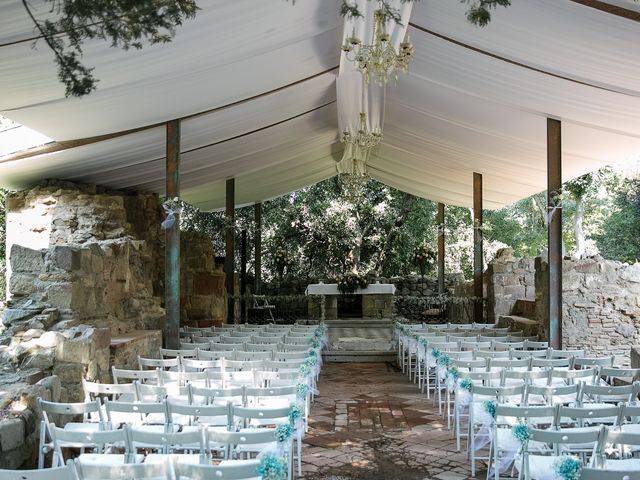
(167, 468)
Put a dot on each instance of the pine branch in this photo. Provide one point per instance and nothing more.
(122, 23)
(350, 11)
(479, 12)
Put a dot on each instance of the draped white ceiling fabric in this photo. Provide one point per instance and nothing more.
(254, 82)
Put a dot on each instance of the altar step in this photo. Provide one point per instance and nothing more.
(358, 340)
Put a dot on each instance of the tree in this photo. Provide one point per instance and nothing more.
(580, 189)
(122, 23)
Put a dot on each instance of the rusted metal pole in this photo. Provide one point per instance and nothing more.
(554, 230)
(440, 222)
(243, 276)
(257, 212)
(172, 237)
(229, 263)
(477, 248)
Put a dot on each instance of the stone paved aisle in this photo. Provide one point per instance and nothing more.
(370, 423)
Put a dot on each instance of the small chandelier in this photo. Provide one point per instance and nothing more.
(363, 138)
(380, 58)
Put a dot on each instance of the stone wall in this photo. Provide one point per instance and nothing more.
(508, 279)
(202, 281)
(600, 305)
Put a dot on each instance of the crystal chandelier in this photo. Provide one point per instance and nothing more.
(380, 58)
(363, 138)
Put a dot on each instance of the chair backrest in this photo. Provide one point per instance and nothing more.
(193, 365)
(525, 413)
(529, 353)
(527, 375)
(472, 345)
(583, 416)
(253, 356)
(551, 362)
(199, 414)
(143, 376)
(288, 347)
(54, 473)
(267, 378)
(570, 376)
(535, 345)
(506, 345)
(197, 340)
(288, 356)
(510, 363)
(559, 437)
(157, 470)
(490, 354)
(256, 437)
(552, 394)
(487, 378)
(244, 470)
(100, 440)
(153, 363)
(553, 353)
(630, 412)
(615, 437)
(611, 373)
(261, 347)
(471, 365)
(158, 393)
(608, 394)
(169, 442)
(501, 394)
(88, 410)
(182, 378)
(112, 391)
(216, 394)
(136, 413)
(594, 361)
(175, 353)
(258, 392)
(243, 416)
(588, 473)
(244, 365)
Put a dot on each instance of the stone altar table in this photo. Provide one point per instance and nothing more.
(377, 300)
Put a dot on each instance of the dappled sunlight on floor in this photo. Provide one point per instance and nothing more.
(371, 423)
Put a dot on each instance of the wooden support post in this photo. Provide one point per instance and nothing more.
(257, 211)
(440, 222)
(243, 277)
(477, 249)
(554, 230)
(230, 217)
(172, 236)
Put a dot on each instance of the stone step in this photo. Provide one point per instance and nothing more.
(334, 356)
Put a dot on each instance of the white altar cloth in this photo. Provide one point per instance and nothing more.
(332, 289)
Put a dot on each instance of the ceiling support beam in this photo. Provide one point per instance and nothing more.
(172, 249)
(478, 266)
(440, 222)
(229, 264)
(554, 230)
(243, 276)
(257, 214)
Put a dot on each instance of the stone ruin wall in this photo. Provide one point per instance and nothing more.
(600, 305)
(85, 291)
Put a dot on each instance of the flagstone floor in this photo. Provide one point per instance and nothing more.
(370, 423)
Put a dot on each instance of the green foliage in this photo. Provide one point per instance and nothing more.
(122, 23)
(479, 12)
(618, 239)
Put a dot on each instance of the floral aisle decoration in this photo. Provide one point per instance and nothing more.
(490, 407)
(280, 260)
(520, 432)
(272, 467)
(568, 468)
(283, 432)
(302, 389)
(350, 282)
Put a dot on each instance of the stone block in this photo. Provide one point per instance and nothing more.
(53, 385)
(516, 291)
(11, 434)
(631, 273)
(626, 330)
(42, 359)
(70, 373)
(25, 259)
(66, 258)
(76, 350)
(22, 284)
(208, 284)
(12, 315)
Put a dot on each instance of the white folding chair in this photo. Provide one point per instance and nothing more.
(539, 463)
(104, 442)
(226, 470)
(54, 473)
(92, 421)
(161, 470)
(181, 444)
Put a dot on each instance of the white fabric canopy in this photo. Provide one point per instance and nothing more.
(254, 81)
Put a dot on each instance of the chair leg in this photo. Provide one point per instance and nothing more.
(41, 445)
(299, 440)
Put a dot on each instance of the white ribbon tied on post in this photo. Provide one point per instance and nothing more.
(170, 208)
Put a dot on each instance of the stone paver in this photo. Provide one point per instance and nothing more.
(370, 423)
